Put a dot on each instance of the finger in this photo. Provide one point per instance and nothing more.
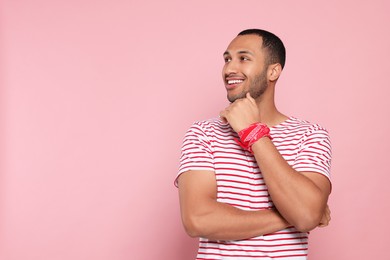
(250, 98)
(322, 225)
(324, 220)
(222, 116)
(328, 214)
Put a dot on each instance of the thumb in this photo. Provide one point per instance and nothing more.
(222, 116)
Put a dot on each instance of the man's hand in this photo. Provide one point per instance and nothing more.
(241, 113)
(325, 218)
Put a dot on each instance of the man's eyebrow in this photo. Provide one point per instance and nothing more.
(239, 52)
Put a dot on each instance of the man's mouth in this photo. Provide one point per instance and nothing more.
(234, 81)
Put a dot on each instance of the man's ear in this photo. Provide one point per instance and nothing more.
(274, 71)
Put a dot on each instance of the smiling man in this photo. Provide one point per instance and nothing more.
(253, 182)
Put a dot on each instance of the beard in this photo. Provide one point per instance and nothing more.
(257, 87)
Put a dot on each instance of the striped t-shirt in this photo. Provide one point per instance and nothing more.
(209, 145)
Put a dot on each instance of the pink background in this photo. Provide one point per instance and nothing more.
(97, 95)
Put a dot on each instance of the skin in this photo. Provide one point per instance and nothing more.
(300, 198)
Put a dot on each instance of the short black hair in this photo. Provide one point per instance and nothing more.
(272, 43)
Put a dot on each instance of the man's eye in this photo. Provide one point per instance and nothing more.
(227, 60)
(244, 58)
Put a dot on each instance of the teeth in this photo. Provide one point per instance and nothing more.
(235, 81)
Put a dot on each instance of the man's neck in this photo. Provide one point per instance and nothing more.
(269, 114)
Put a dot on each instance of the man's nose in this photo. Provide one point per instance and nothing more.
(231, 67)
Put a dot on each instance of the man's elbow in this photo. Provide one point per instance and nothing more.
(307, 223)
(192, 226)
(191, 230)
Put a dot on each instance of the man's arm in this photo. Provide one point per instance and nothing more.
(300, 197)
(204, 216)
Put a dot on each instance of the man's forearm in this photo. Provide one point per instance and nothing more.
(224, 222)
(298, 199)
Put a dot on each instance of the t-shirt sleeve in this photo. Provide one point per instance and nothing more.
(315, 152)
(196, 151)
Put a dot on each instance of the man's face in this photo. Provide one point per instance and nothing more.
(244, 69)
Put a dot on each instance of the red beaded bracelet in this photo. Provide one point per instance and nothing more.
(251, 134)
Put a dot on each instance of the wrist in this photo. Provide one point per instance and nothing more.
(260, 143)
(251, 135)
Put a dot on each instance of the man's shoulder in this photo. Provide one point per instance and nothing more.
(211, 129)
(211, 124)
(300, 124)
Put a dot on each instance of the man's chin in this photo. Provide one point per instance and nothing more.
(235, 97)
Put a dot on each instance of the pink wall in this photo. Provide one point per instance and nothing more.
(96, 97)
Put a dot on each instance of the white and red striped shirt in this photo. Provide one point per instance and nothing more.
(209, 145)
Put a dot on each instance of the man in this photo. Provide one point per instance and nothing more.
(255, 181)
